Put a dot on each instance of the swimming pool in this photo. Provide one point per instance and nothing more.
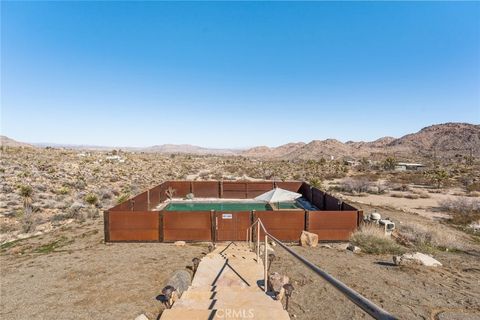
(225, 206)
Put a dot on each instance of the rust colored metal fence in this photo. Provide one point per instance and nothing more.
(206, 189)
(136, 218)
(285, 225)
(231, 226)
(187, 225)
(332, 225)
(132, 226)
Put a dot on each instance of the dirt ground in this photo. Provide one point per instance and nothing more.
(82, 278)
(448, 292)
(71, 274)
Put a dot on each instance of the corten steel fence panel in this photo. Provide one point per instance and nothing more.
(182, 188)
(306, 191)
(140, 202)
(133, 226)
(234, 190)
(347, 207)
(289, 185)
(332, 203)
(318, 198)
(157, 195)
(187, 225)
(283, 225)
(231, 226)
(332, 225)
(124, 206)
(255, 189)
(206, 189)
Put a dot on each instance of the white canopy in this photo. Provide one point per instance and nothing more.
(278, 195)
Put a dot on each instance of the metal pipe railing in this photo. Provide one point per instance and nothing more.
(365, 304)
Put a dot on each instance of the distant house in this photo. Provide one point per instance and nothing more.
(405, 166)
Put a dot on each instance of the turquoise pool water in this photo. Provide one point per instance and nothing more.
(225, 206)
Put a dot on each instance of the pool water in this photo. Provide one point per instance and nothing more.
(225, 206)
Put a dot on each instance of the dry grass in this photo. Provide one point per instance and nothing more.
(463, 210)
(372, 239)
(428, 238)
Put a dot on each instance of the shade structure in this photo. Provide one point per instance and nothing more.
(278, 195)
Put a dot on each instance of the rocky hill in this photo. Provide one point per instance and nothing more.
(7, 142)
(443, 139)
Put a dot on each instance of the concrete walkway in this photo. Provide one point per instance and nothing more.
(227, 286)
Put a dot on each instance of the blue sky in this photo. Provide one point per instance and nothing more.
(235, 74)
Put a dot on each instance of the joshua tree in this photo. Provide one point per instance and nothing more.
(389, 163)
(170, 192)
(439, 176)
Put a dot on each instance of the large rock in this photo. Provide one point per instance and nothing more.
(276, 281)
(416, 258)
(180, 280)
(308, 239)
(353, 248)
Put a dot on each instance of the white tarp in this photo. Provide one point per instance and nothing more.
(278, 195)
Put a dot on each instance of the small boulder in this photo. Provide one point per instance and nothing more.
(416, 258)
(141, 317)
(180, 243)
(353, 248)
(308, 239)
(262, 249)
(326, 246)
(276, 281)
(341, 246)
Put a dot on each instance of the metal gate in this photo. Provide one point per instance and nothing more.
(232, 226)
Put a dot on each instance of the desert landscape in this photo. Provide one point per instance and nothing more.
(56, 264)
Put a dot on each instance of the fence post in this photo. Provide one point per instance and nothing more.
(148, 200)
(258, 241)
(265, 272)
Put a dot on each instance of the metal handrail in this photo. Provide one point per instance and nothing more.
(365, 304)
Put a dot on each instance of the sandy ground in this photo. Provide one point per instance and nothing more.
(406, 292)
(86, 279)
(83, 278)
(424, 207)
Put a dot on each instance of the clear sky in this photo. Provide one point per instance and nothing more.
(235, 74)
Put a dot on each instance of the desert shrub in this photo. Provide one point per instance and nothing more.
(396, 195)
(473, 187)
(91, 199)
(463, 210)
(427, 238)
(354, 185)
(411, 196)
(75, 211)
(93, 213)
(25, 191)
(63, 190)
(372, 239)
(124, 197)
(105, 194)
(29, 223)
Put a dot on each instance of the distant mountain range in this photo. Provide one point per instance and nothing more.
(440, 140)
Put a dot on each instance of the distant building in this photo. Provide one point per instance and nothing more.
(405, 166)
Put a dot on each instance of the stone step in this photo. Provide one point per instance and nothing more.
(224, 294)
(244, 303)
(224, 288)
(237, 313)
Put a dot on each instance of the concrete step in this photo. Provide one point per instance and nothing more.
(224, 288)
(238, 313)
(224, 294)
(244, 303)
